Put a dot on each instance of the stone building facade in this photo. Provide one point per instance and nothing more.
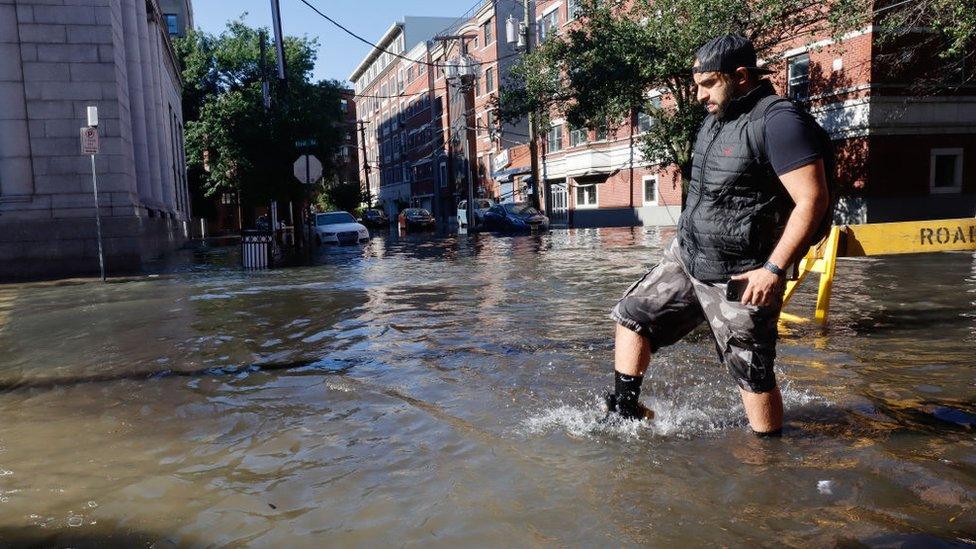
(57, 57)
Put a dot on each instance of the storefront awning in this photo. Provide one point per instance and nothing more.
(506, 174)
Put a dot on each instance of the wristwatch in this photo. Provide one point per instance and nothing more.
(773, 268)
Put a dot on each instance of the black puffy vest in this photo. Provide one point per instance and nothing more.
(736, 209)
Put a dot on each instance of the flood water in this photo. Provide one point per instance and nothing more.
(444, 390)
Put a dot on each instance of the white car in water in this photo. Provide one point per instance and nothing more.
(339, 228)
(481, 206)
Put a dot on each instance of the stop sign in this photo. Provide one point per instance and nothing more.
(308, 169)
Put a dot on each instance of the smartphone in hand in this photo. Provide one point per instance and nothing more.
(735, 288)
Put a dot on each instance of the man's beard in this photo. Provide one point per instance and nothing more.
(719, 110)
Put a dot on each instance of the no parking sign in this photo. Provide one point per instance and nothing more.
(89, 140)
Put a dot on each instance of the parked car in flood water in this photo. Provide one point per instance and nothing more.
(416, 219)
(339, 228)
(375, 218)
(482, 205)
(515, 217)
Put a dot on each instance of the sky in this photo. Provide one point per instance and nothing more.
(338, 52)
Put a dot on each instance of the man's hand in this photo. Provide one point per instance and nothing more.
(763, 286)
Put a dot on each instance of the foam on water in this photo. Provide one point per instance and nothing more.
(699, 410)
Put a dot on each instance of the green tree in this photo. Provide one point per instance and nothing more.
(346, 196)
(233, 143)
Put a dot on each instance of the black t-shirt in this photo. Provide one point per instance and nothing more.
(790, 143)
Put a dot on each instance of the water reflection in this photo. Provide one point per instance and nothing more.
(446, 388)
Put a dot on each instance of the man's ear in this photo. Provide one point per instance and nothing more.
(742, 76)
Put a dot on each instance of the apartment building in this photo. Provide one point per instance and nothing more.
(893, 145)
(902, 156)
(598, 178)
(427, 135)
(380, 82)
(905, 155)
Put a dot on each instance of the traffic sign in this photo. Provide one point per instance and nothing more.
(306, 144)
(89, 140)
(308, 169)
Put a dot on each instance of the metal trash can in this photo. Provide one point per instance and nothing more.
(257, 249)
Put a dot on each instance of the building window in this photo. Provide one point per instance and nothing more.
(489, 38)
(227, 198)
(602, 132)
(573, 9)
(555, 138)
(548, 24)
(443, 174)
(344, 106)
(798, 77)
(645, 121)
(945, 171)
(490, 121)
(586, 196)
(577, 137)
(172, 24)
(650, 190)
(489, 80)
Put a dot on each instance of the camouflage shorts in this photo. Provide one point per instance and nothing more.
(667, 303)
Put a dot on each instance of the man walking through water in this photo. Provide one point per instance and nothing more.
(753, 204)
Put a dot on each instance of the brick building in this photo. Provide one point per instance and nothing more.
(380, 83)
(905, 155)
(893, 145)
(347, 158)
(58, 57)
(425, 135)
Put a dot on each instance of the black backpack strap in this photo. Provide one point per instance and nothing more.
(757, 125)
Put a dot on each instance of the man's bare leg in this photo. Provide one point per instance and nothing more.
(764, 410)
(631, 352)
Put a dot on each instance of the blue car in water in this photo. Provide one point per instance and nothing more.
(515, 217)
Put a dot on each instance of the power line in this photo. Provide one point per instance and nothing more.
(377, 48)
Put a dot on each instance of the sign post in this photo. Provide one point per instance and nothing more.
(89, 146)
(308, 170)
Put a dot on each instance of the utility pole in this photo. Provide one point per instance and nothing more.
(436, 200)
(462, 74)
(279, 39)
(362, 140)
(265, 86)
(533, 147)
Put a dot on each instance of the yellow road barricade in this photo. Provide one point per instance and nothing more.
(910, 237)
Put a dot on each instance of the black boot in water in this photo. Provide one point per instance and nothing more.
(624, 399)
(628, 410)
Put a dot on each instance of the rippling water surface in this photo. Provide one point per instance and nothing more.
(445, 390)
